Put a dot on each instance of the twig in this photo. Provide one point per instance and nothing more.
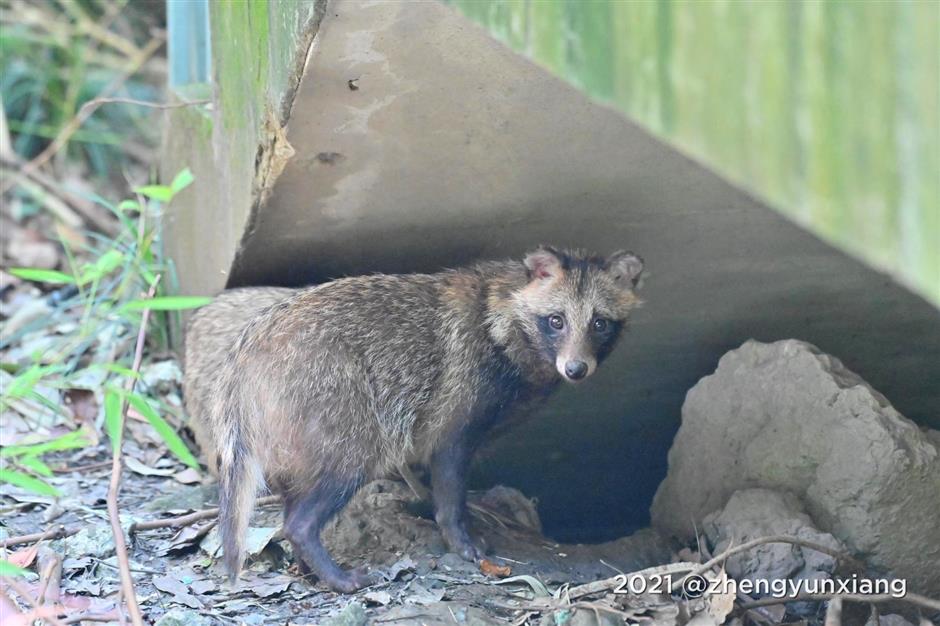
(912, 598)
(190, 518)
(120, 547)
(58, 533)
(6, 144)
(417, 488)
(81, 468)
(50, 570)
(136, 570)
(834, 613)
(707, 565)
(97, 102)
(610, 583)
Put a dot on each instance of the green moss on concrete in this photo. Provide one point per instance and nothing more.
(829, 110)
(257, 49)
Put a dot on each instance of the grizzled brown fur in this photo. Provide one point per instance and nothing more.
(315, 391)
(209, 340)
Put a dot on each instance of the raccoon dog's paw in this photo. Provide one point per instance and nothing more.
(466, 548)
(354, 580)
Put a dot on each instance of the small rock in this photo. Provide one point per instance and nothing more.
(888, 620)
(183, 617)
(353, 614)
(589, 617)
(162, 376)
(754, 513)
(97, 541)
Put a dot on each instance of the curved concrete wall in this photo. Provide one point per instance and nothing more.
(829, 110)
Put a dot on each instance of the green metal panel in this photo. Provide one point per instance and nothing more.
(827, 109)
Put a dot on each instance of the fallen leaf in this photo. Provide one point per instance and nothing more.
(25, 557)
(722, 603)
(378, 597)
(402, 565)
(266, 590)
(188, 537)
(189, 600)
(188, 476)
(257, 539)
(203, 585)
(493, 570)
(170, 585)
(83, 405)
(423, 596)
(145, 470)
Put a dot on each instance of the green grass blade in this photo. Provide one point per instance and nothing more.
(27, 482)
(68, 441)
(35, 465)
(166, 432)
(161, 193)
(183, 180)
(52, 277)
(167, 303)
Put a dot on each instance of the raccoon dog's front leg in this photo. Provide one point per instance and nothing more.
(448, 467)
(304, 518)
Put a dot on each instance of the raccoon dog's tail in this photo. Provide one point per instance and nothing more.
(240, 475)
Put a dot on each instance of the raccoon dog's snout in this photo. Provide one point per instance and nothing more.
(576, 370)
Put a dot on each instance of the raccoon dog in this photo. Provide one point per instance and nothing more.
(314, 391)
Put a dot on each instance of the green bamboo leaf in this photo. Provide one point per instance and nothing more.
(120, 369)
(129, 205)
(113, 420)
(10, 570)
(35, 465)
(27, 482)
(166, 432)
(183, 180)
(42, 276)
(106, 263)
(68, 441)
(167, 303)
(161, 193)
(22, 385)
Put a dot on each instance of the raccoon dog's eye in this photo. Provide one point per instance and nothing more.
(556, 321)
(600, 325)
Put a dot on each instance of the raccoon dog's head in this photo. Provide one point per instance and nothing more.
(575, 306)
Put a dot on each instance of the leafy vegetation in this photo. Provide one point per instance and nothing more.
(56, 55)
(105, 294)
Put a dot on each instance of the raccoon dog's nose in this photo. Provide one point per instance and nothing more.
(576, 370)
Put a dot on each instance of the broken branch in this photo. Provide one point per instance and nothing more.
(191, 518)
(707, 565)
(57, 533)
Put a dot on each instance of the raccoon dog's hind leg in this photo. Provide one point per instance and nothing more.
(304, 518)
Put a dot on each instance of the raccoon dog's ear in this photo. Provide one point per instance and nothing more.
(625, 267)
(543, 263)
